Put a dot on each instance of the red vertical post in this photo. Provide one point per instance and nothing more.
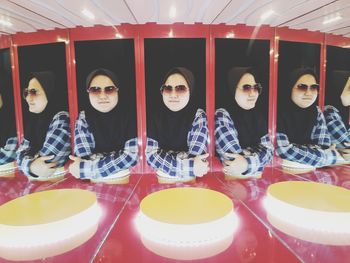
(210, 93)
(323, 64)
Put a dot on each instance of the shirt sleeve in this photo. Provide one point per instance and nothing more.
(102, 165)
(8, 152)
(226, 141)
(336, 127)
(319, 134)
(57, 143)
(180, 164)
(312, 155)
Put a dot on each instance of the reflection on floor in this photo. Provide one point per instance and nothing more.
(256, 240)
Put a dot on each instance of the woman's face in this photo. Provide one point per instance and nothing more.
(103, 94)
(301, 97)
(176, 99)
(36, 98)
(345, 96)
(246, 98)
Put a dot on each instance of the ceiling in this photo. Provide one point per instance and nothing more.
(314, 15)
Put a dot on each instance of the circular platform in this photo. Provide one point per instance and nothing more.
(186, 223)
(47, 223)
(310, 211)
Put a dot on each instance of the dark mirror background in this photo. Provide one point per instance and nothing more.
(116, 55)
(163, 54)
(44, 57)
(6, 91)
(338, 59)
(241, 53)
(294, 55)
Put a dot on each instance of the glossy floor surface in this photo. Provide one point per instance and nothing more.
(256, 240)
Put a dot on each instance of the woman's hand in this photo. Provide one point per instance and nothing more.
(201, 165)
(74, 167)
(237, 166)
(40, 168)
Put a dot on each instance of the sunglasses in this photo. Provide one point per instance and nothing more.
(168, 89)
(256, 87)
(305, 87)
(31, 92)
(98, 90)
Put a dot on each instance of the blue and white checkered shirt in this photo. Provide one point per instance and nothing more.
(94, 166)
(8, 152)
(226, 141)
(314, 154)
(336, 127)
(57, 143)
(178, 163)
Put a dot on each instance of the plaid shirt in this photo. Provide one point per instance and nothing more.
(336, 127)
(226, 141)
(315, 154)
(180, 164)
(94, 166)
(8, 152)
(57, 143)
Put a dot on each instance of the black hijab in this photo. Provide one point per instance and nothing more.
(169, 128)
(110, 129)
(7, 116)
(250, 124)
(335, 87)
(37, 124)
(296, 122)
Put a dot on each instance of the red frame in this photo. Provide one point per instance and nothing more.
(245, 32)
(178, 30)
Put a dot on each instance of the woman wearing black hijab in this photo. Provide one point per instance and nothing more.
(105, 140)
(8, 137)
(302, 134)
(177, 131)
(46, 143)
(337, 110)
(241, 135)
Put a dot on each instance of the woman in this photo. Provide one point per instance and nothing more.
(241, 134)
(46, 143)
(177, 130)
(105, 140)
(8, 137)
(302, 134)
(337, 110)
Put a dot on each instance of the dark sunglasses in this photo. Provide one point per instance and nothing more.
(256, 87)
(304, 87)
(167, 89)
(31, 92)
(98, 90)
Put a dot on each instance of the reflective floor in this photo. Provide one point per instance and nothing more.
(256, 240)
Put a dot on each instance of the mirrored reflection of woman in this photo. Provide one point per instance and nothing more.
(8, 137)
(105, 141)
(241, 135)
(46, 143)
(302, 134)
(177, 132)
(337, 110)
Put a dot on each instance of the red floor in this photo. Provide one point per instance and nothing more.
(256, 240)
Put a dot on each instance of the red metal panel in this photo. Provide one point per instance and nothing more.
(242, 31)
(5, 41)
(40, 37)
(302, 35)
(17, 91)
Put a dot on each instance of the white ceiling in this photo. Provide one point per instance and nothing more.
(31, 15)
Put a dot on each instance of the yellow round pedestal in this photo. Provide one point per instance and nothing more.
(47, 223)
(310, 211)
(164, 178)
(186, 223)
(122, 177)
(7, 170)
